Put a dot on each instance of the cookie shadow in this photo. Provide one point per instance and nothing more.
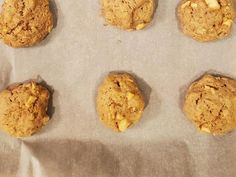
(10, 154)
(53, 113)
(54, 10)
(74, 158)
(151, 99)
(5, 74)
(234, 4)
(177, 16)
(219, 74)
(51, 108)
(164, 158)
(94, 159)
(222, 148)
(161, 13)
(144, 87)
(9, 161)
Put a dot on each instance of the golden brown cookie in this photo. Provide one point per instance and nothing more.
(206, 20)
(119, 102)
(128, 14)
(211, 104)
(23, 109)
(24, 23)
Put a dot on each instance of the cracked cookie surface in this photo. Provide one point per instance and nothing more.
(23, 109)
(24, 23)
(119, 102)
(128, 14)
(206, 20)
(210, 103)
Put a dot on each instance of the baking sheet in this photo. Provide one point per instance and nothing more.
(73, 60)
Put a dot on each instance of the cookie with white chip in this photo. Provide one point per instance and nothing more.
(206, 20)
(23, 109)
(210, 103)
(120, 103)
(24, 23)
(128, 14)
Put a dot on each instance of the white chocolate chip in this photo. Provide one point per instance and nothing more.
(123, 125)
(119, 117)
(30, 101)
(210, 88)
(201, 30)
(213, 4)
(228, 23)
(140, 26)
(204, 129)
(129, 96)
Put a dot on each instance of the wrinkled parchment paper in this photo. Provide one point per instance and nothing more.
(73, 60)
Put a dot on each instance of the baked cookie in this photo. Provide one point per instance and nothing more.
(119, 102)
(211, 104)
(128, 14)
(206, 20)
(23, 109)
(24, 23)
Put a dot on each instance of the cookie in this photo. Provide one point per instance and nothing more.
(206, 20)
(23, 109)
(210, 103)
(24, 23)
(128, 14)
(120, 103)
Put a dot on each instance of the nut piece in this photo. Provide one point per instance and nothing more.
(123, 125)
(213, 4)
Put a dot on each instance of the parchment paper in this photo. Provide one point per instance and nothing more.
(73, 60)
